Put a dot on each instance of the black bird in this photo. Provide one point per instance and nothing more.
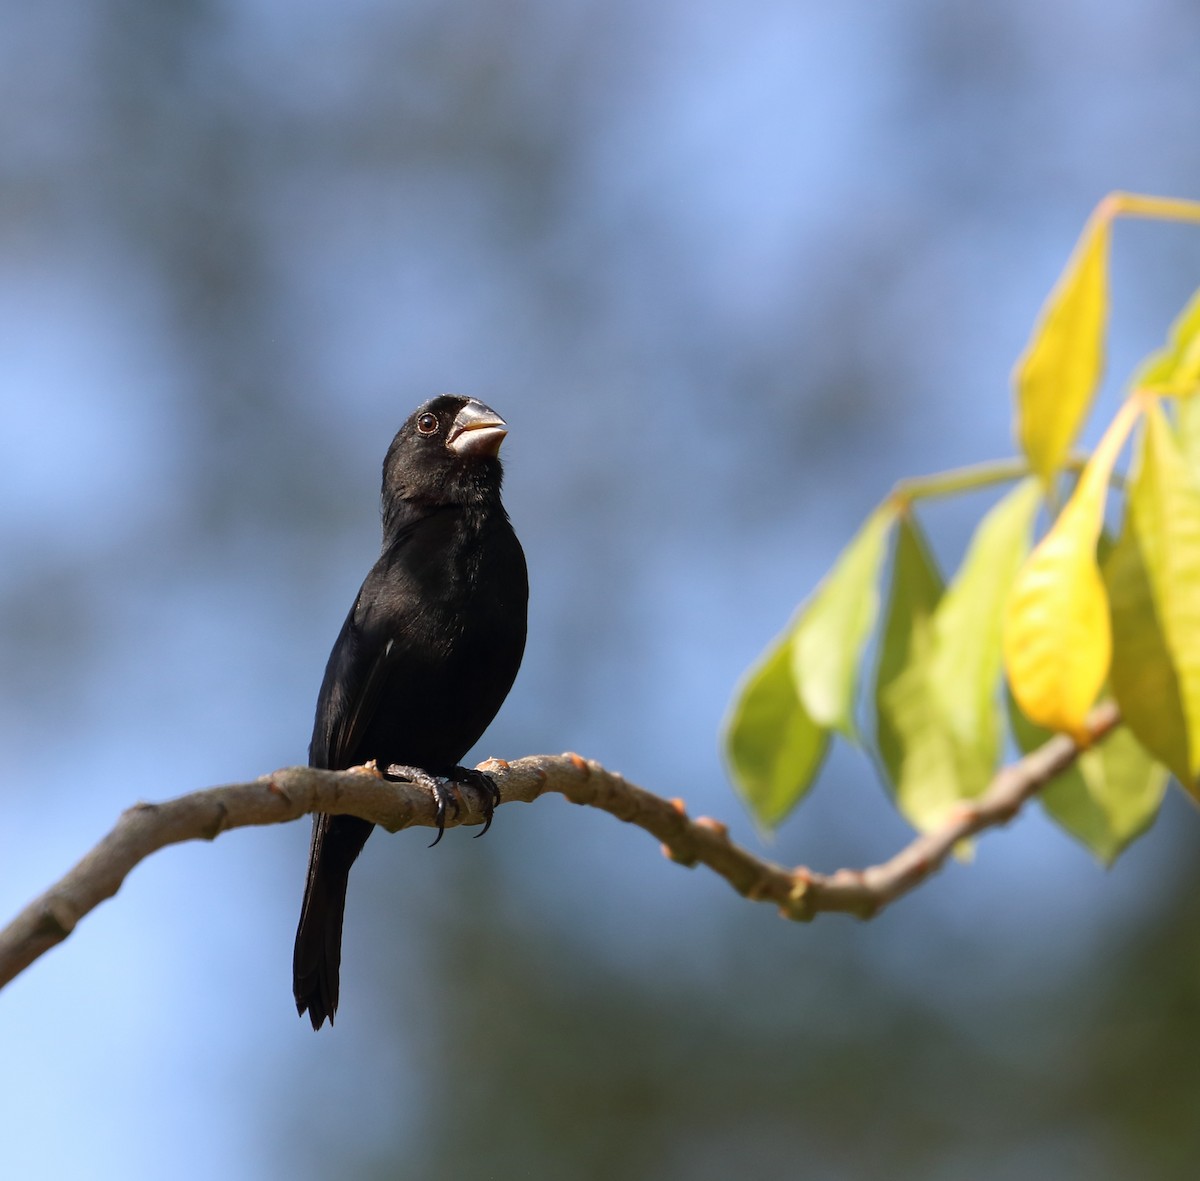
(425, 658)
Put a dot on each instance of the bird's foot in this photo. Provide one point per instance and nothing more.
(485, 785)
(442, 788)
(446, 791)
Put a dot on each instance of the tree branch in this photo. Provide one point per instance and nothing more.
(799, 893)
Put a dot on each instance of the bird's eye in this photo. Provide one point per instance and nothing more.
(427, 424)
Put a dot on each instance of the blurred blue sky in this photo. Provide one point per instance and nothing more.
(728, 270)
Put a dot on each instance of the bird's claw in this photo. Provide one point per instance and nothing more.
(446, 794)
(489, 793)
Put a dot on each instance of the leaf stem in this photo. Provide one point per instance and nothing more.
(1167, 208)
(958, 480)
(971, 479)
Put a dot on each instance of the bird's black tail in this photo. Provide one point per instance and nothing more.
(336, 842)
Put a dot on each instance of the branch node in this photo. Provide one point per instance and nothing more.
(719, 829)
(579, 763)
(964, 812)
(679, 857)
(868, 905)
(213, 830)
(1007, 812)
(56, 921)
(798, 907)
(276, 790)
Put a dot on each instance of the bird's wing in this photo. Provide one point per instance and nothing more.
(358, 667)
(356, 673)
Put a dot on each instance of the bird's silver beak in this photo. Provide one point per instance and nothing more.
(477, 430)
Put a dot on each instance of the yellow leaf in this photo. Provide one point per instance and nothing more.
(1187, 420)
(1057, 375)
(1057, 638)
(1143, 678)
(1164, 518)
(1175, 369)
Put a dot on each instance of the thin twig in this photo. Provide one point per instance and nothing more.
(289, 794)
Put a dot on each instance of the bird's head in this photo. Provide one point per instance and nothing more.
(447, 452)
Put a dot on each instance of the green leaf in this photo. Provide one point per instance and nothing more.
(773, 748)
(915, 744)
(965, 667)
(1108, 797)
(939, 721)
(1057, 375)
(831, 630)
